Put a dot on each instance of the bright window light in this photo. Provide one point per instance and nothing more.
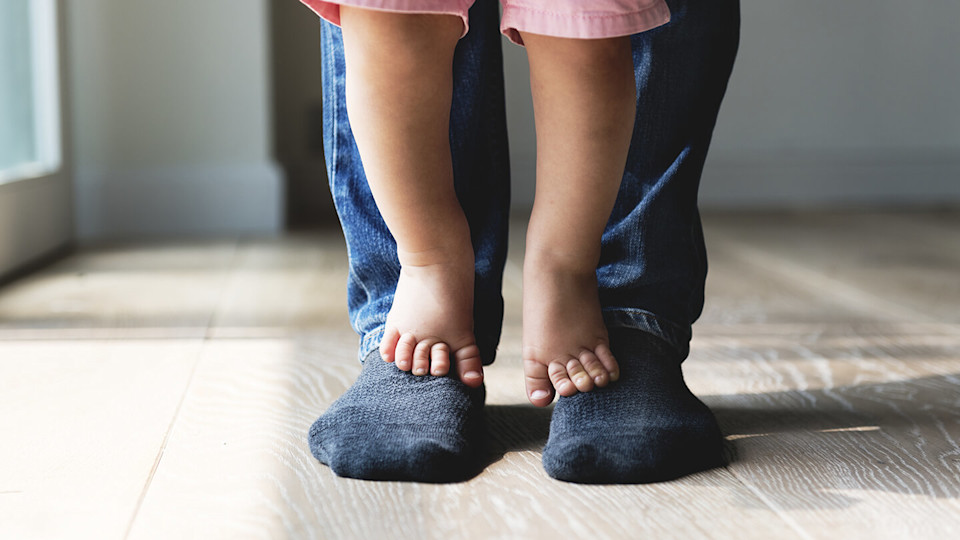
(29, 92)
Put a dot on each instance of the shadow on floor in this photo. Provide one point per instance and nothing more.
(901, 437)
(516, 428)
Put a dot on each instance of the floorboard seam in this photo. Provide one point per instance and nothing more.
(166, 438)
(183, 397)
(227, 287)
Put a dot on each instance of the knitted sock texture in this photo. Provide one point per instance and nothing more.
(391, 425)
(646, 427)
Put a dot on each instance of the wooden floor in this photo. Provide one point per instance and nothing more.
(164, 390)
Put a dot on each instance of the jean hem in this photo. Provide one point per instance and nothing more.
(677, 336)
(369, 343)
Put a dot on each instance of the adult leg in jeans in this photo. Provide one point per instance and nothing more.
(391, 424)
(648, 426)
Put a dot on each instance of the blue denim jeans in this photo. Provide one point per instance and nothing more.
(653, 261)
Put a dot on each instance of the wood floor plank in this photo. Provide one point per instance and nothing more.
(936, 226)
(740, 291)
(83, 423)
(237, 465)
(849, 434)
(285, 286)
(120, 290)
(865, 259)
(829, 348)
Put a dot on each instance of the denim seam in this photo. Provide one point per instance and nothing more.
(331, 58)
(336, 116)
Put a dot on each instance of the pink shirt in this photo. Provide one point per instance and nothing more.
(558, 18)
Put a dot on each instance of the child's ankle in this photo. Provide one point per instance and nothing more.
(439, 256)
(561, 259)
(451, 248)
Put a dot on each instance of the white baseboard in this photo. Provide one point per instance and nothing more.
(822, 178)
(180, 201)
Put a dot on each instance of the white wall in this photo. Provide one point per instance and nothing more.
(171, 118)
(854, 102)
(830, 103)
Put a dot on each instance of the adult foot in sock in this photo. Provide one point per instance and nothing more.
(565, 347)
(647, 427)
(392, 425)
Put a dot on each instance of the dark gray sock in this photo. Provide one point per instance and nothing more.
(646, 427)
(391, 425)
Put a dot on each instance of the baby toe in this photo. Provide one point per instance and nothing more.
(594, 368)
(421, 357)
(537, 381)
(579, 375)
(561, 379)
(469, 365)
(403, 355)
(388, 344)
(440, 359)
(607, 359)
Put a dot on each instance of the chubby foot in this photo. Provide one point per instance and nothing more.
(565, 344)
(430, 323)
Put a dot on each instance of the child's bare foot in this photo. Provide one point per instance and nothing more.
(431, 320)
(565, 345)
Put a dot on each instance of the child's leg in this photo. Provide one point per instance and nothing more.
(584, 104)
(399, 90)
(649, 426)
(390, 424)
